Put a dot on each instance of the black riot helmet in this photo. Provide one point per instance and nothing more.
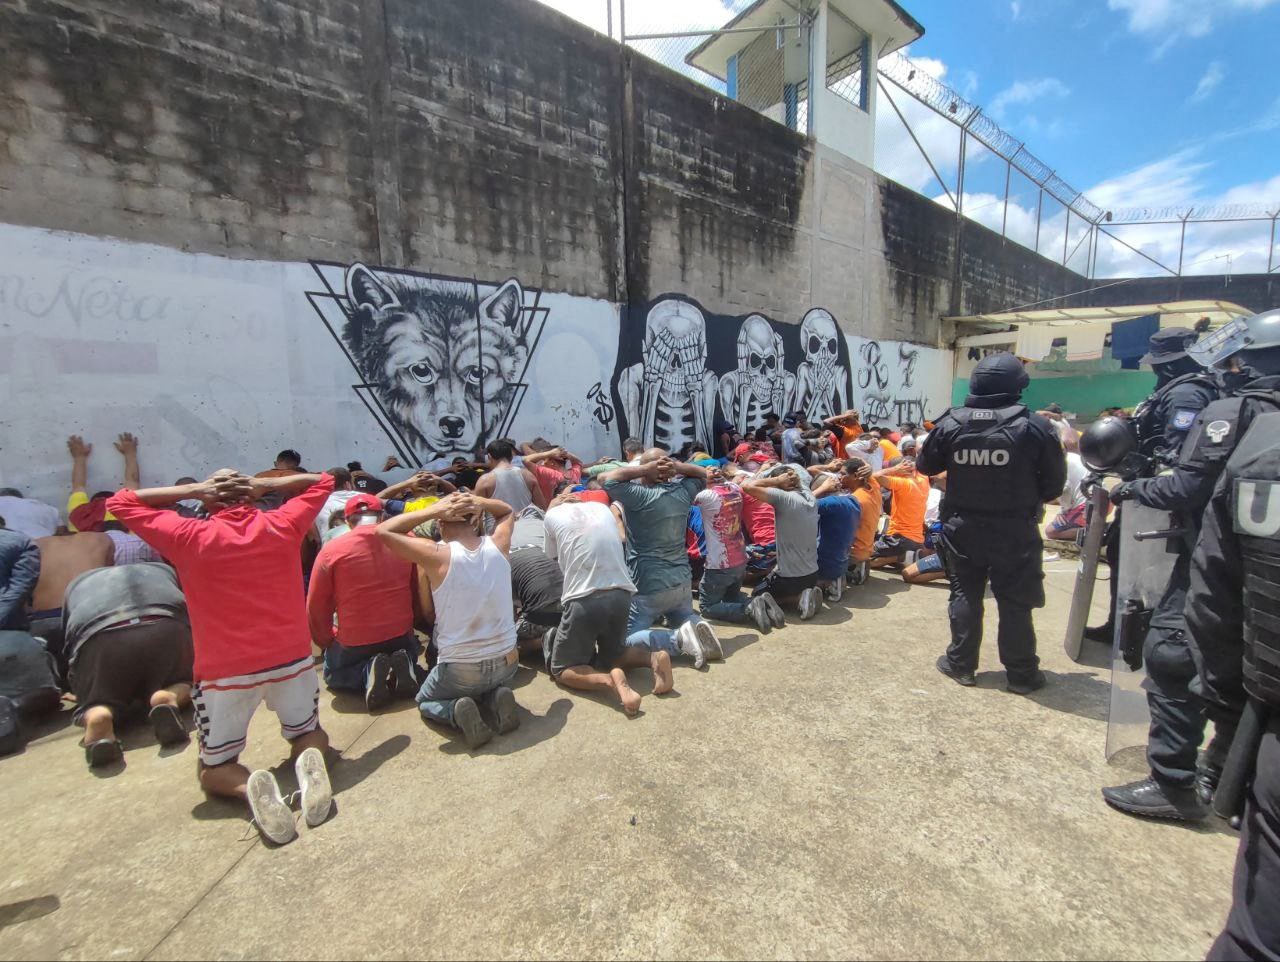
(1253, 341)
(997, 379)
(1106, 443)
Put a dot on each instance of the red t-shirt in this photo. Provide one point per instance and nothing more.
(758, 520)
(241, 572)
(598, 495)
(357, 576)
(548, 477)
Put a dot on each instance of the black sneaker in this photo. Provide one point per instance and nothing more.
(1150, 799)
(466, 716)
(106, 751)
(504, 708)
(959, 677)
(1025, 686)
(404, 675)
(166, 722)
(377, 686)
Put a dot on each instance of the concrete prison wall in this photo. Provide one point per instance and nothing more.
(365, 227)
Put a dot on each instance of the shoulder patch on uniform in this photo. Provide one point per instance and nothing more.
(1217, 430)
(983, 414)
(1183, 419)
(1257, 508)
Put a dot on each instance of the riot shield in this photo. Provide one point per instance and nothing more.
(1087, 573)
(1147, 554)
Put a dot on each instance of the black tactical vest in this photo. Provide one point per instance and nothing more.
(1254, 471)
(1150, 416)
(991, 463)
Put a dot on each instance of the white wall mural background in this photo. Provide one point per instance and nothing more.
(214, 362)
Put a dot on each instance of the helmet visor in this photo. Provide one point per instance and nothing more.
(1214, 348)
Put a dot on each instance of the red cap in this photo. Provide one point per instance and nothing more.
(742, 449)
(361, 502)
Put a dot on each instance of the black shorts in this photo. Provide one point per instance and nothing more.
(593, 631)
(894, 546)
(123, 667)
(783, 587)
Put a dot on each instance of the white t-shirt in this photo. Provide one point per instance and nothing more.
(584, 539)
(933, 505)
(33, 518)
(335, 501)
(1076, 472)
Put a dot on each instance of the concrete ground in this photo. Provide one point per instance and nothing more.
(823, 793)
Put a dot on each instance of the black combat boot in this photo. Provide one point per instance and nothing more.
(1207, 777)
(1151, 799)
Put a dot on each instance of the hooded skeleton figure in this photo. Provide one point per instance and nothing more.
(822, 382)
(760, 383)
(670, 396)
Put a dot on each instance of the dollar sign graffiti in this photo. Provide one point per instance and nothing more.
(604, 410)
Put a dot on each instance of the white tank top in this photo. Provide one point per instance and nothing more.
(474, 619)
(509, 486)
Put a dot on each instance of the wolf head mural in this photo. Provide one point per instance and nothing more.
(443, 362)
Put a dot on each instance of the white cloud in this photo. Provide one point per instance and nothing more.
(1170, 20)
(1209, 81)
(1026, 92)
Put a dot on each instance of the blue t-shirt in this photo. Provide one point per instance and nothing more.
(838, 519)
(699, 533)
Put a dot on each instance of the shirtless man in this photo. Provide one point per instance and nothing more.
(63, 557)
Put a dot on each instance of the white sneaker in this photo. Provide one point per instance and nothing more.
(810, 602)
(270, 813)
(687, 639)
(313, 782)
(707, 639)
(835, 590)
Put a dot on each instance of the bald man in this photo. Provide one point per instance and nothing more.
(657, 494)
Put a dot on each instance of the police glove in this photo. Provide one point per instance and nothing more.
(1122, 492)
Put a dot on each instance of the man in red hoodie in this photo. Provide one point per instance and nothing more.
(241, 573)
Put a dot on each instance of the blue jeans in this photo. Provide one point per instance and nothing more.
(452, 680)
(672, 605)
(720, 594)
(347, 669)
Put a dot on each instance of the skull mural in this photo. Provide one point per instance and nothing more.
(669, 397)
(760, 383)
(822, 382)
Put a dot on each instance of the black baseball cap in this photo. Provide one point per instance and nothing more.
(1169, 344)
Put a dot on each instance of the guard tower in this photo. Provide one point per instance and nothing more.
(766, 58)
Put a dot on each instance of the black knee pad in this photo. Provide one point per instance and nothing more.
(1167, 654)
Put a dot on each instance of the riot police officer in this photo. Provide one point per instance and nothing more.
(1179, 785)
(1233, 613)
(1183, 388)
(1003, 463)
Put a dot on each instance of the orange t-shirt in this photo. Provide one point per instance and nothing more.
(890, 450)
(871, 502)
(843, 436)
(910, 500)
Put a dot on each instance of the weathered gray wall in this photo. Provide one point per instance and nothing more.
(457, 136)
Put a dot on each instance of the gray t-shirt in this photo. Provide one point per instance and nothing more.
(107, 596)
(657, 516)
(796, 517)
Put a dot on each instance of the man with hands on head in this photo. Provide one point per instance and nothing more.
(241, 574)
(470, 579)
(656, 495)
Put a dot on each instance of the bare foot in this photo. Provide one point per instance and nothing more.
(663, 680)
(629, 697)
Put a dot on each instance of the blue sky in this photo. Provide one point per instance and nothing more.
(1137, 103)
(1101, 89)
